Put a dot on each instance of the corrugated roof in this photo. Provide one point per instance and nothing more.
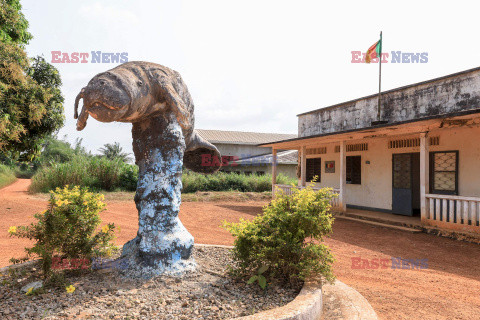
(283, 157)
(241, 137)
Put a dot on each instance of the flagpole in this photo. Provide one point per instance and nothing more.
(379, 78)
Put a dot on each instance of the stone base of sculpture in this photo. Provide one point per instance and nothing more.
(162, 245)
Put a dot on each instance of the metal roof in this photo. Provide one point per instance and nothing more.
(241, 137)
(283, 157)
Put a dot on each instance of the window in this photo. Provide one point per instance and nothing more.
(260, 173)
(314, 168)
(247, 173)
(444, 172)
(354, 170)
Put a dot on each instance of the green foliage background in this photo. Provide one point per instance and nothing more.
(31, 103)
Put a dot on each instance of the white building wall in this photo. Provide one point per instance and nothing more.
(376, 188)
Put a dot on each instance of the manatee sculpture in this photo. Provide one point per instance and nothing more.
(156, 100)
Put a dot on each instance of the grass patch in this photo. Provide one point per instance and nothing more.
(114, 175)
(222, 181)
(93, 172)
(7, 176)
(199, 196)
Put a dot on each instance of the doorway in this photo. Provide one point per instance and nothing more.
(406, 184)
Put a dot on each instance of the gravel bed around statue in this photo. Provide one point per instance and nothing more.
(207, 293)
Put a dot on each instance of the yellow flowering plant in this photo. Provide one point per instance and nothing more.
(69, 229)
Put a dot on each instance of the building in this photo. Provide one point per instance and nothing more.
(241, 153)
(421, 160)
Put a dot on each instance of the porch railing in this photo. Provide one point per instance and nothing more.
(457, 210)
(288, 190)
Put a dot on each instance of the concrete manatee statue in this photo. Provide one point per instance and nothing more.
(156, 100)
(137, 90)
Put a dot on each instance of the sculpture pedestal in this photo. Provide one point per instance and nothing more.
(162, 245)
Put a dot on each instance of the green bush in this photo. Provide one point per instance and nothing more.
(7, 175)
(105, 173)
(287, 238)
(129, 178)
(222, 181)
(68, 228)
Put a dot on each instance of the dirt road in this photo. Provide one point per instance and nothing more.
(449, 288)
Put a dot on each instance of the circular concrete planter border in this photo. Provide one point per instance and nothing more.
(308, 305)
(349, 302)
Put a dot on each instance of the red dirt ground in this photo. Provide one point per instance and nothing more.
(448, 289)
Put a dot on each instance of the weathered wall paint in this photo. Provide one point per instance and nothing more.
(241, 150)
(452, 94)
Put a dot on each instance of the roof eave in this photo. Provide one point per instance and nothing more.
(380, 126)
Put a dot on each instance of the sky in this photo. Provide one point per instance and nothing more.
(252, 65)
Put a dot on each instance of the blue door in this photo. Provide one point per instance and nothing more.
(402, 202)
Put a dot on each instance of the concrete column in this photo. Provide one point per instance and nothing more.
(274, 170)
(424, 175)
(303, 168)
(343, 177)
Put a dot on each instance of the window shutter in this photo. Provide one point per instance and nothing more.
(354, 170)
(314, 168)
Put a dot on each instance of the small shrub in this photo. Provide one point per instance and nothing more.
(287, 238)
(129, 177)
(105, 173)
(68, 228)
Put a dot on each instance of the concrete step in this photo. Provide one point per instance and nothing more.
(405, 224)
(379, 224)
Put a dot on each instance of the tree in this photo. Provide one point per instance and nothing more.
(61, 151)
(13, 25)
(114, 151)
(31, 103)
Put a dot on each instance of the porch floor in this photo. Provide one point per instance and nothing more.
(386, 218)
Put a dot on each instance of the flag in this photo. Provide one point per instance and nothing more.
(374, 51)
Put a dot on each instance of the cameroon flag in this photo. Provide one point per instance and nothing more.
(374, 51)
